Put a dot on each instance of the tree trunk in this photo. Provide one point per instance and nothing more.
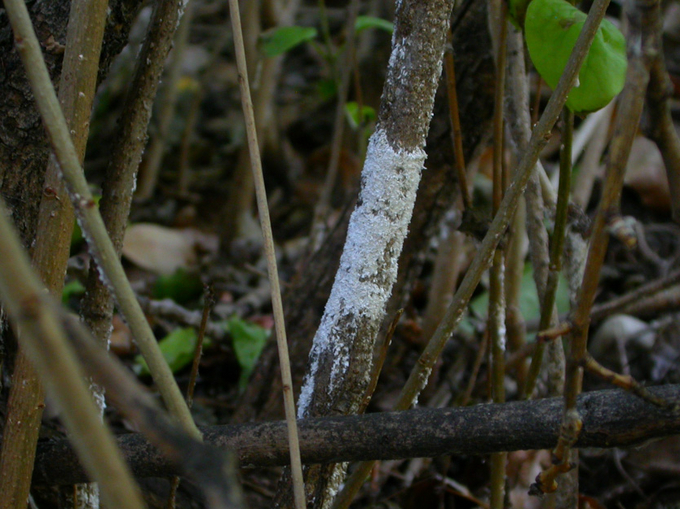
(341, 356)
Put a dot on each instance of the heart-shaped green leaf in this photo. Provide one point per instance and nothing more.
(551, 28)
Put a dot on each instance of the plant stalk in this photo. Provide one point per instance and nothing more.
(265, 222)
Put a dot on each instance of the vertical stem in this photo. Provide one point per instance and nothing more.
(631, 102)
(556, 247)
(277, 304)
(497, 330)
(91, 222)
(454, 116)
(53, 239)
(166, 110)
(44, 341)
(324, 203)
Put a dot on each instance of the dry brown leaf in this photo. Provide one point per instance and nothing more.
(163, 250)
(646, 174)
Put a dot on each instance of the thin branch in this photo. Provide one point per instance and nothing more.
(45, 343)
(208, 304)
(496, 321)
(454, 116)
(556, 248)
(212, 469)
(631, 103)
(324, 202)
(166, 110)
(265, 222)
(611, 418)
(662, 128)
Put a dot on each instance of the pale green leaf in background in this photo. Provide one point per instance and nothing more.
(278, 41)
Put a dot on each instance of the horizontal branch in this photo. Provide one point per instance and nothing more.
(611, 418)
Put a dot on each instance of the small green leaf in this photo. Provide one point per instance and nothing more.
(249, 339)
(71, 289)
(365, 22)
(177, 348)
(181, 286)
(280, 40)
(529, 304)
(357, 118)
(551, 28)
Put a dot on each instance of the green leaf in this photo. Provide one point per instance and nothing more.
(528, 299)
(551, 28)
(357, 118)
(517, 10)
(249, 340)
(327, 89)
(280, 40)
(181, 286)
(177, 348)
(365, 22)
(70, 290)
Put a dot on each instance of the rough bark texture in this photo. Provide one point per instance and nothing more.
(23, 144)
(611, 418)
(342, 349)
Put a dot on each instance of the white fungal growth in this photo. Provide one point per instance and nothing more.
(368, 266)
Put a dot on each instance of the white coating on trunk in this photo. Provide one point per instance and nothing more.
(368, 266)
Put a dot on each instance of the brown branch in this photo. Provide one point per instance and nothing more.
(630, 111)
(212, 468)
(53, 239)
(611, 418)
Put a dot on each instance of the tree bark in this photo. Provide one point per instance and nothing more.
(23, 144)
(342, 350)
(437, 193)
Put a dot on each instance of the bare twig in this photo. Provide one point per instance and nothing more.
(45, 343)
(662, 129)
(208, 304)
(239, 202)
(166, 110)
(589, 167)
(630, 110)
(497, 329)
(556, 248)
(277, 304)
(323, 204)
(454, 116)
(213, 469)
